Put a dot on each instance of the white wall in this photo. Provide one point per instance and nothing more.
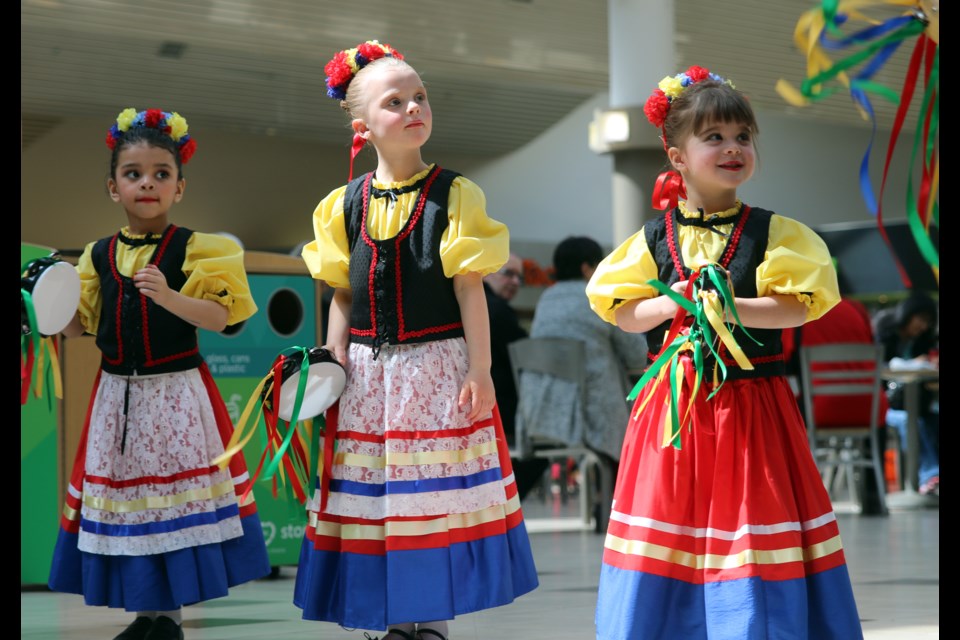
(554, 186)
(264, 189)
(261, 189)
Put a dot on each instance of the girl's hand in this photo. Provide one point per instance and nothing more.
(669, 308)
(678, 287)
(639, 316)
(75, 328)
(206, 314)
(153, 284)
(478, 391)
(339, 352)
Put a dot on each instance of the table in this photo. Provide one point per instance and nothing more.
(912, 380)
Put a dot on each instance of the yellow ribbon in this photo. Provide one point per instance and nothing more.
(46, 346)
(213, 492)
(806, 37)
(235, 445)
(715, 315)
(659, 380)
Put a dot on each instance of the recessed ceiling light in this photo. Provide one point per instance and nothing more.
(171, 49)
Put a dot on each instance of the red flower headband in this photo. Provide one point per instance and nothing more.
(670, 88)
(344, 67)
(347, 63)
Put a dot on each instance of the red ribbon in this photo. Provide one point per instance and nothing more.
(928, 163)
(358, 142)
(329, 440)
(26, 374)
(292, 477)
(680, 318)
(668, 190)
(270, 423)
(906, 95)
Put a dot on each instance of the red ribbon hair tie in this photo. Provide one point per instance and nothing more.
(668, 190)
(358, 142)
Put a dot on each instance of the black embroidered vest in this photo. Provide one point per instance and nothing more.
(137, 336)
(744, 252)
(400, 293)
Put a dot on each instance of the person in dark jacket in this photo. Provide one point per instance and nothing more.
(501, 287)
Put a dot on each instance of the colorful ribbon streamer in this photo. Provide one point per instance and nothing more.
(697, 331)
(35, 349)
(821, 30)
(290, 449)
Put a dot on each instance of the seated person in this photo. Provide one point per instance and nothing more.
(563, 311)
(910, 334)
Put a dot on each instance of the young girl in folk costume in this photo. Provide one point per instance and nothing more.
(149, 524)
(721, 527)
(416, 518)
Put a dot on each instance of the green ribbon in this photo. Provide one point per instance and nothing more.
(34, 336)
(701, 338)
(295, 417)
(920, 233)
(830, 8)
(880, 90)
(666, 355)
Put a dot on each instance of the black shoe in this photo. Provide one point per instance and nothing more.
(136, 630)
(165, 629)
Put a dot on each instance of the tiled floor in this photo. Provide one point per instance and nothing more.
(894, 562)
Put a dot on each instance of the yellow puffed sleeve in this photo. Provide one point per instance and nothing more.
(798, 262)
(90, 299)
(622, 276)
(328, 255)
(214, 269)
(473, 241)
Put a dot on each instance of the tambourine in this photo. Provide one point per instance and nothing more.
(53, 288)
(326, 379)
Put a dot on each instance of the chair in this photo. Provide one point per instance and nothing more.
(852, 371)
(563, 358)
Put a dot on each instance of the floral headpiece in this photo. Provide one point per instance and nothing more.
(347, 63)
(670, 88)
(172, 124)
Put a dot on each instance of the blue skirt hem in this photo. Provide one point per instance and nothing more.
(633, 604)
(161, 582)
(374, 591)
